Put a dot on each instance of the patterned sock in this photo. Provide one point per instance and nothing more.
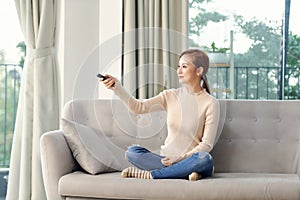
(136, 173)
(194, 176)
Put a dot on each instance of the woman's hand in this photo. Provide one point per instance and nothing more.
(166, 161)
(109, 82)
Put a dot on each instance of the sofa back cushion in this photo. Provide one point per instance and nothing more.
(256, 136)
(259, 136)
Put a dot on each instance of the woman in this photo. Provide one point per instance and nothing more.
(192, 122)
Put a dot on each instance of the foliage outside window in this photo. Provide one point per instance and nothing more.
(258, 67)
(10, 80)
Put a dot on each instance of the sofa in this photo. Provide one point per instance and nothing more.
(256, 154)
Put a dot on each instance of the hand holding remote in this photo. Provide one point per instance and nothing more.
(107, 80)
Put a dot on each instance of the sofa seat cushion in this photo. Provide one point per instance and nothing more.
(221, 186)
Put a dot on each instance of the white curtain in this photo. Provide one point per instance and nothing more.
(155, 33)
(38, 109)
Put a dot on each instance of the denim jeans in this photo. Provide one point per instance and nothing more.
(201, 162)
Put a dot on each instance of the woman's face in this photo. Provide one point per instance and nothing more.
(187, 72)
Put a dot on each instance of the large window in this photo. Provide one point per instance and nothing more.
(252, 35)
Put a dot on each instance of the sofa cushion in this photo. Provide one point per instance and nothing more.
(99, 132)
(95, 154)
(259, 137)
(221, 186)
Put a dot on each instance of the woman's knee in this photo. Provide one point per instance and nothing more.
(205, 162)
(136, 149)
(133, 151)
(204, 156)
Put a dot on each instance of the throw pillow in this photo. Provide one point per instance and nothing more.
(94, 153)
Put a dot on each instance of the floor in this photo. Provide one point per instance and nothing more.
(3, 183)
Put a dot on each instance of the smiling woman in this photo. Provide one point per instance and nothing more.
(192, 123)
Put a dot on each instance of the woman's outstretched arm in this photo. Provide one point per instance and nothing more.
(136, 106)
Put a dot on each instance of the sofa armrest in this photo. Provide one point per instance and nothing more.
(57, 160)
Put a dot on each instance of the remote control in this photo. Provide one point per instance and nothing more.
(101, 76)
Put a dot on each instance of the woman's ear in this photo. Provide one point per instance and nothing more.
(200, 71)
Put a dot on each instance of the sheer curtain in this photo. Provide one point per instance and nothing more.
(38, 109)
(155, 33)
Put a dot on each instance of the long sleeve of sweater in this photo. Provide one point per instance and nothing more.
(139, 106)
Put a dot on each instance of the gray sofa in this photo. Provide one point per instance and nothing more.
(257, 155)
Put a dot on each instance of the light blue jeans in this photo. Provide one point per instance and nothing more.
(201, 162)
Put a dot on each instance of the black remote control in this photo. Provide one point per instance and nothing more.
(101, 76)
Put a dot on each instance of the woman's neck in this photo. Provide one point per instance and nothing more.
(195, 88)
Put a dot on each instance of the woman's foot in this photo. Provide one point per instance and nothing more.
(132, 172)
(194, 176)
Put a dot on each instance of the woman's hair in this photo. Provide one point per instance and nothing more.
(199, 59)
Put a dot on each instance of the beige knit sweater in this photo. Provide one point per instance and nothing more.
(192, 118)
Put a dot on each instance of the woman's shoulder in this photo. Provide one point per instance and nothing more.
(209, 99)
(177, 90)
(170, 94)
(171, 91)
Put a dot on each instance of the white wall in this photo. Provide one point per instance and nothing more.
(110, 36)
(85, 30)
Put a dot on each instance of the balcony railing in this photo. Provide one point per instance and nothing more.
(254, 82)
(10, 78)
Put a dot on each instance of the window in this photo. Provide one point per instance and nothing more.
(251, 34)
(11, 58)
